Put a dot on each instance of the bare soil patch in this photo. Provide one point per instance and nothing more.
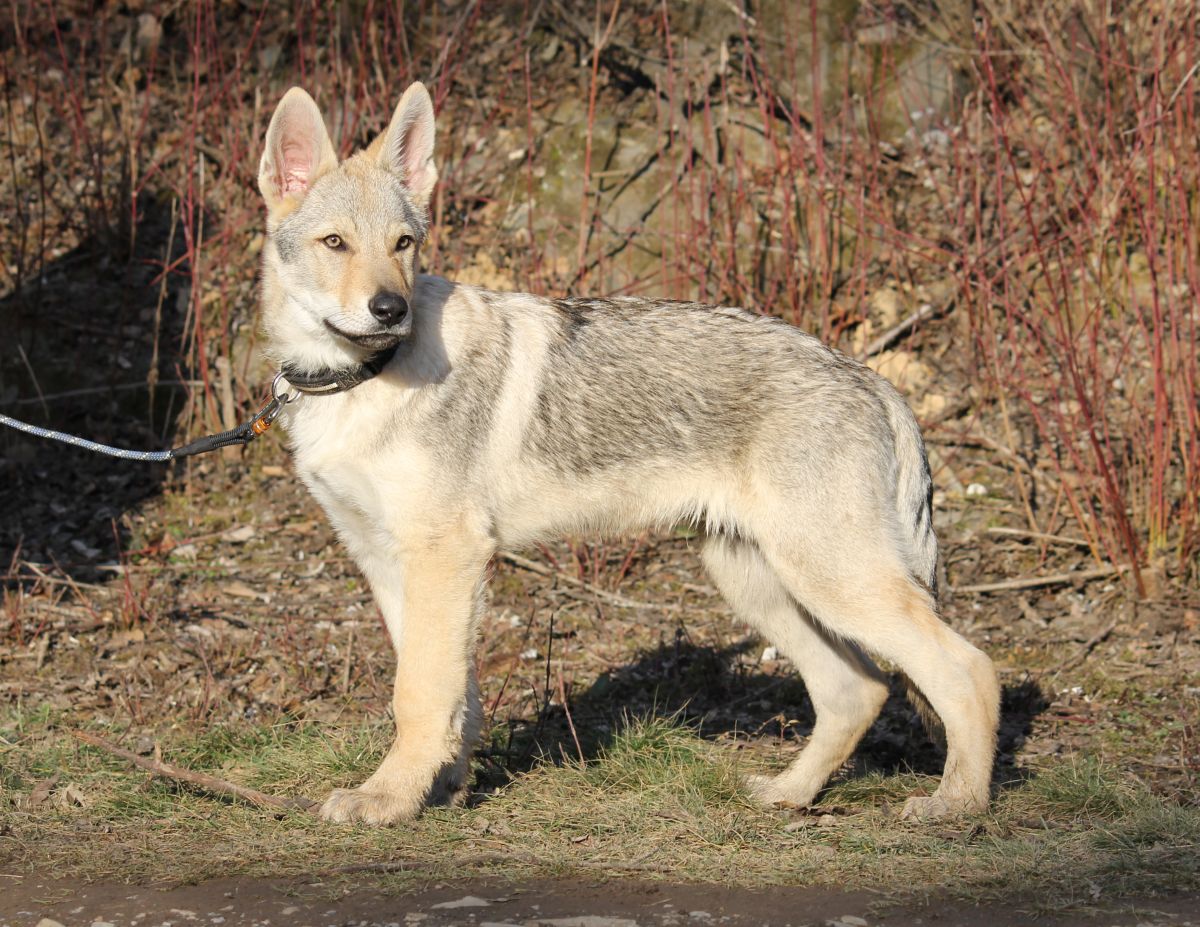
(257, 903)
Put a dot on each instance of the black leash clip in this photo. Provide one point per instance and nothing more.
(267, 414)
(246, 433)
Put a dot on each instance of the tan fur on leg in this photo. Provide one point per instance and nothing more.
(894, 616)
(435, 697)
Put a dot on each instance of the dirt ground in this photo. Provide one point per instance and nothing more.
(258, 903)
(235, 633)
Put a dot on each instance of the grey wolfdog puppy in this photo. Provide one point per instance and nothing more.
(481, 419)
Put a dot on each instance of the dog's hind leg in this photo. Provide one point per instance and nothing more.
(846, 688)
(870, 598)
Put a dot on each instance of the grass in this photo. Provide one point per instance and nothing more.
(658, 802)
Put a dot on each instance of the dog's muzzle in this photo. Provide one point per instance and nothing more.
(386, 336)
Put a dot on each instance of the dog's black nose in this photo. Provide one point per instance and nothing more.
(388, 308)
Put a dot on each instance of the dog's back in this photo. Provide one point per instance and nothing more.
(651, 411)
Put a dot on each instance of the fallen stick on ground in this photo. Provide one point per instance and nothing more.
(210, 783)
(611, 597)
(1030, 582)
(885, 340)
(1039, 536)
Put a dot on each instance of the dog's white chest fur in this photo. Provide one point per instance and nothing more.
(365, 481)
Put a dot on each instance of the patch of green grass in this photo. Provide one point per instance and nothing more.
(654, 754)
(289, 757)
(655, 780)
(658, 802)
(1078, 788)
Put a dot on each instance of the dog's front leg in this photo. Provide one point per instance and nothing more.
(431, 603)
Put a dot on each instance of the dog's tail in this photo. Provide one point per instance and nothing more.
(914, 493)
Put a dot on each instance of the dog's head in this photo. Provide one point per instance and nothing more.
(344, 239)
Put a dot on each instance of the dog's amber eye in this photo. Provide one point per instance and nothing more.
(404, 242)
(334, 242)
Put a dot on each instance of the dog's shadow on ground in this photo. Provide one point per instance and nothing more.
(728, 694)
(79, 336)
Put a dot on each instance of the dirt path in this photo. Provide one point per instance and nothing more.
(26, 900)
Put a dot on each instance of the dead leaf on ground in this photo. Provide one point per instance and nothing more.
(71, 797)
(125, 638)
(40, 791)
(239, 535)
(245, 591)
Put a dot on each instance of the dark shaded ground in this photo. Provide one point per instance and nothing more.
(90, 346)
(234, 902)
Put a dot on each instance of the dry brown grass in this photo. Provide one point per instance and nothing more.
(657, 803)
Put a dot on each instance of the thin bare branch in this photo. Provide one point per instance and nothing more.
(202, 780)
(1031, 582)
(611, 597)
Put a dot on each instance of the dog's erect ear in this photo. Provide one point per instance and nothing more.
(298, 152)
(406, 148)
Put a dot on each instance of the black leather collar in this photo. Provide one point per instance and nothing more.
(328, 381)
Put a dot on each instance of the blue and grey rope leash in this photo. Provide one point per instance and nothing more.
(242, 435)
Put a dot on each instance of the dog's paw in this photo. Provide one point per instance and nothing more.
(369, 806)
(766, 791)
(937, 806)
(763, 790)
(929, 808)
